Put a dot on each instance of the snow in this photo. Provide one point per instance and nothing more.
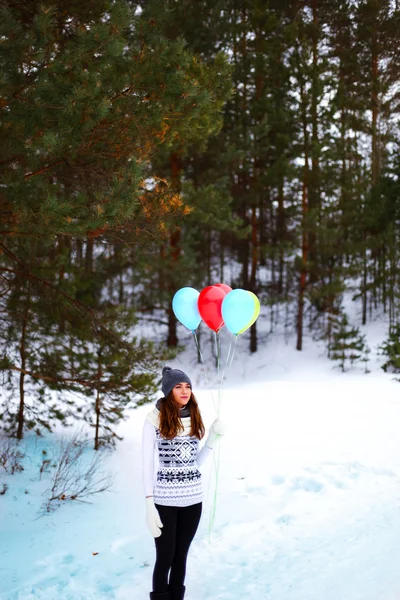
(308, 497)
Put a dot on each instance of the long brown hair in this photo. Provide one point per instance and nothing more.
(170, 420)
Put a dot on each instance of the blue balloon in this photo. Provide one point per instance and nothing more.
(184, 305)
(237, 310)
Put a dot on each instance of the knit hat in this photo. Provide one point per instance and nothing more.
(171, 377)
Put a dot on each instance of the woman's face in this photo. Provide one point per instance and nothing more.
(182, 393)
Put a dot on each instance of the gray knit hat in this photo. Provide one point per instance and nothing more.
(171, 377)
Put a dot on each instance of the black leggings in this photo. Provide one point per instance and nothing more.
(178, 531)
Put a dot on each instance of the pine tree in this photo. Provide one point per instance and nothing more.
(293, 147)
(377, 42)
(180, 256)
(166, 173)
(391, 349)
(347, 345)
(89, 112)
(54, 344)
(115, 373)
(28, 403)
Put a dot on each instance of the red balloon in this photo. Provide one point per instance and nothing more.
(210, 303)
(224, 287)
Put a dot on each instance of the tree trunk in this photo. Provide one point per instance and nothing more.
(221, 257)
(304, 214)
(89, 256)
(375, 150)
(97, 424)
(256, 183)
(262, 232)
(313, 180)
(22, 354)
(392, 283)
(245, 176)
(121, 289)
(244, 246)
(64, 245)
(303, 274)
(383, 275)
(174, 241)
(280, 225)
(375, 141)
(79, 251)
(97, 409)
(364, 287)
(208, 254)
(253, 274)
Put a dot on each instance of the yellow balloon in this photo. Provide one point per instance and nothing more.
(255, 313)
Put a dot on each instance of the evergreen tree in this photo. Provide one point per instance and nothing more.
(28, 403)
(114, 373)
(89, 112)
(246, 169)
(377, 26)
(391, 349)
(181, 254)
(133, 160)
(52, 347)
(347, 345)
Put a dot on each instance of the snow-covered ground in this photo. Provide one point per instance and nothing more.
(308, 503)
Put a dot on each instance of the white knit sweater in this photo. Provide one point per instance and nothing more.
(177, 481)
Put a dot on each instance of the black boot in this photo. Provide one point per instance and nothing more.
(176, 592)
(160, 596)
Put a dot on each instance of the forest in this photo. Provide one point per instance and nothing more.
(146, 146)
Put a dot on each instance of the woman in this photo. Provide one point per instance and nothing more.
(174, 501)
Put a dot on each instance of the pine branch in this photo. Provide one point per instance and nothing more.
(25, 272)
(43, 169)
(50, 379)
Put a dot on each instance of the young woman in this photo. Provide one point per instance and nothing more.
(174, 500)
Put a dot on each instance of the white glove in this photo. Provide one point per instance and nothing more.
(217, 430)
(153, 518)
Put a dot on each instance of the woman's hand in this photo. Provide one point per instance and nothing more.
(153, 518)
(217, 430)
(218, 427)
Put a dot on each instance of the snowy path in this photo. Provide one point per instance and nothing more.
(308, 508)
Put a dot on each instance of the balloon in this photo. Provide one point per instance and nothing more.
(184, 305)
(240, 309)
(224, 287)
(255, 314)
(209, 303)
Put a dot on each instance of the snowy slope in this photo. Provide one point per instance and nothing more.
(308, 503)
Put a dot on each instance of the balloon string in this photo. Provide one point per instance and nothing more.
(199, 351)
(229, 358)
(218, 351)
(213, 510)
(217, 450)
(216, 453)
(204, 365)
(217, 405)
(233, 350)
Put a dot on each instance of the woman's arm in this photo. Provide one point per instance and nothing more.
(203, 454)
(148, 444)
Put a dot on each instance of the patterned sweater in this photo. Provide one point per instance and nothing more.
(178, 480)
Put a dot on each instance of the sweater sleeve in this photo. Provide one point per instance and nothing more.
(203, 454)
(148, 446)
